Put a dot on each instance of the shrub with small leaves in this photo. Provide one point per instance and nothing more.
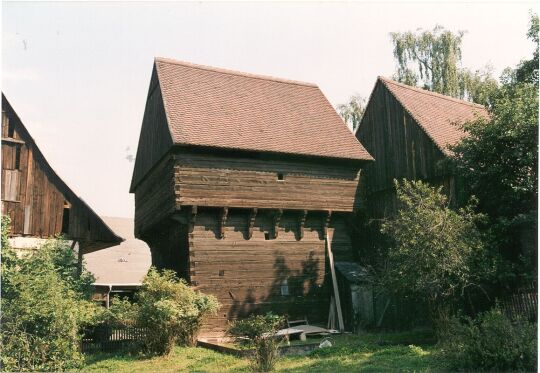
(491, 342)
(44, 304)
(261, 333)
(171, 311)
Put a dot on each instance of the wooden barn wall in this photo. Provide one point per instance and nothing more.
(155, 138)
(206, 180)
(399, 145)
(154, 196)
(401, 150)
(247, 275)
(34, 197)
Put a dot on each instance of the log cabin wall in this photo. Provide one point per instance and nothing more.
(246, 271)
(401, 150)
(234, 181)
(284, 274)
(37, 201)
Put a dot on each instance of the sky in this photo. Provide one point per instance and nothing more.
(77, 73)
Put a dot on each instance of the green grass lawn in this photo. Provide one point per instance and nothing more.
(404, 352)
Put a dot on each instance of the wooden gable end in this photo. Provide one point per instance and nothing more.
(37, 201)
(155, 137)
(399, 145)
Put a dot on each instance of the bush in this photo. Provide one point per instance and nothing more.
(44, 306)
(491, 342)
(261, 333)
(434, 249)
(171, 310)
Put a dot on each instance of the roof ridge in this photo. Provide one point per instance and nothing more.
(233, 72)
(431, 93)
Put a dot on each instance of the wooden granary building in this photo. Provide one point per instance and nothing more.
(39, 204)
(238, 179)
(409, 132)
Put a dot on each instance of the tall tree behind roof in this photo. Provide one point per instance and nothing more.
(431, 59)
(527, 70)
(352, 111)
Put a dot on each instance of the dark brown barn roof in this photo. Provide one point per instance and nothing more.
(212, 107)
(440, 116)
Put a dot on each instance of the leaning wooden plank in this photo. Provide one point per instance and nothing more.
(334, 283)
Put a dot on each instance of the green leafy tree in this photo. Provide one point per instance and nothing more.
(527, 70)
(429, 58)
(171, 311)
(498, 163)
(352, 111)
(432, 58)
(434, 249)
(44, 306)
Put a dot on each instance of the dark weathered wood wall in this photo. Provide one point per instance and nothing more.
(34, 197)
(206, 180)
(247, 275)
(401, 149)
(184, 178)
(155, 138)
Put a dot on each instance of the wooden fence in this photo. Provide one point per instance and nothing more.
(109, 339)
(522, 303)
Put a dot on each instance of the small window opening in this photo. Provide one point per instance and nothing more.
(17, 158)
(267, 236)
(221, 272)
(280, 176)
(65, 220)
(284, 287)
(11, 127)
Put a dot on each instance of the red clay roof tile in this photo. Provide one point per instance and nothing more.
(206, 106)
(440, 116)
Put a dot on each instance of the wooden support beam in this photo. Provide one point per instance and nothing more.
(192, 218)
(341, 325)
(251, 222)
(302, 223)
(327, 223)
(224, 213)
(277, 219)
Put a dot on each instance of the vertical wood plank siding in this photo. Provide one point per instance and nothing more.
(155, 138)
(401, 150)
(33, 196)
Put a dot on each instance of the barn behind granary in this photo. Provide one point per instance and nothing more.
(38, 202)
(238, 179)
(408, 131)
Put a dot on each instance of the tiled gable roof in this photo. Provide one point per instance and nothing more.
(440, 116)
(220, 108)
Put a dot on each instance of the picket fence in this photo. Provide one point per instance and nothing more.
(104, 338)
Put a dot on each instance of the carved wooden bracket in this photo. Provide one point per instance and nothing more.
(251, 223)
(302, 223)
(327, 223)
(192, 218)
(224, 213)
(277, 219)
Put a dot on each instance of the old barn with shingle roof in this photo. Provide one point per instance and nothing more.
(239, 179)
(408, 131)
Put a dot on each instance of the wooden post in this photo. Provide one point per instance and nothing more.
(334, 283)
(79, 256)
